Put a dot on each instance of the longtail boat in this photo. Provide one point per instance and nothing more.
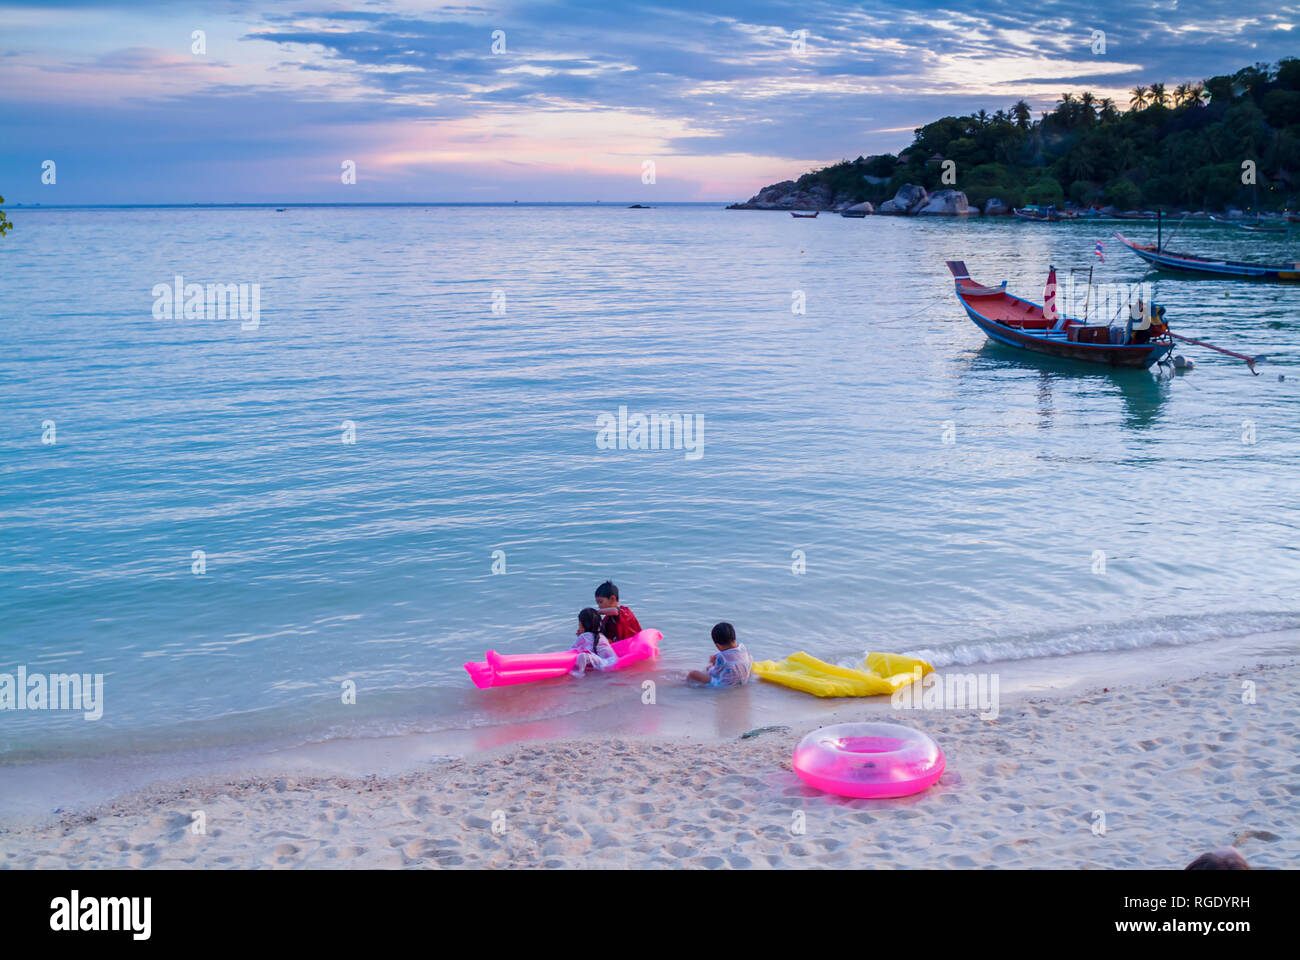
(804, 216)
(1254, 226)
(1043, 214)
(1026, 326)
(1206, 266)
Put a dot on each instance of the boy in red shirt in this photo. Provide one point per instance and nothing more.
(618, 622)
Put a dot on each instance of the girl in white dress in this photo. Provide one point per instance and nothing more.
(594, 651)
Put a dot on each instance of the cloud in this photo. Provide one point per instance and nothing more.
(758, 89)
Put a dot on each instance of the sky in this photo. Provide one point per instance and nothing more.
(569, 101)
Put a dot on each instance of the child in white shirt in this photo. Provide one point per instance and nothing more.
(730, 666)
(594, 651)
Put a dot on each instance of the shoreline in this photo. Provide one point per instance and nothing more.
(1177, 766)
(35, 792)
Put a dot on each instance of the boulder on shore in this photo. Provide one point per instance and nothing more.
(946, 203)
(864, 209)
(908, 199)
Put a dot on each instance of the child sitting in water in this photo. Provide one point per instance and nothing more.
(594, 651)
(620, 622)
(730, 666)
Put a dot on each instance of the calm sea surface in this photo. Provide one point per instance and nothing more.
(940, 494)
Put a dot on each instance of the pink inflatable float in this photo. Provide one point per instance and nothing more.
(868, 760)
(502, 670)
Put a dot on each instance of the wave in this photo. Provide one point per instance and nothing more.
(1170, 631)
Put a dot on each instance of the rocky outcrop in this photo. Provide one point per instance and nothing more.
(908, 199)
(864, 209)
(946, 203)
(996, 208)
(787, 196)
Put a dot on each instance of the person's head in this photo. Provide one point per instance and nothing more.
(724, 636)
(1225, 859)
(589, 620)
(607, 594)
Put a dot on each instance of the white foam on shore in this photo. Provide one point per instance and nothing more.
(1107, 637)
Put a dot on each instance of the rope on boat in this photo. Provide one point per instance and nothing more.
(1179, 227)
(1250, 361)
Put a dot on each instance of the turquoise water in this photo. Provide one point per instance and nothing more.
(823, 432)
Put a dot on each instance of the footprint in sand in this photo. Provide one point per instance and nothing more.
(346, 853)
(145, 855)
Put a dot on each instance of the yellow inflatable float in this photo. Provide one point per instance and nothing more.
(881, 673)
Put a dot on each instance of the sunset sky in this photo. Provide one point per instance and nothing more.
(712, 92)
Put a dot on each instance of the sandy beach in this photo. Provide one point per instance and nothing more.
(1141, 776)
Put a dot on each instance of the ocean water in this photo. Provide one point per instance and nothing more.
(872, 474)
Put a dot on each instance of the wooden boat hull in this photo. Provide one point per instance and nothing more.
(994, 311)
(1205, 267)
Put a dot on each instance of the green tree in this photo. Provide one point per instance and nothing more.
(1282, 107)
(5, 225)
(1088, 106)
(1123, 194)
(1137, 98)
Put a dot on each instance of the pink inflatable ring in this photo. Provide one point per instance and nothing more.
(868, 760)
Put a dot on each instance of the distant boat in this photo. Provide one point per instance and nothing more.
(804, 216)
(1021, 324)
(1254, 226)
(853, 214)
(640, 206)
(1047, 214)
(1206, 266)
(279, 209)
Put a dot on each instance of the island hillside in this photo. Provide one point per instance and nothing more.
(1184, 148)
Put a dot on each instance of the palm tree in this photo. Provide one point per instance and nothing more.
(1108, 111)
(1022, 114)
(1137, 98)
(982, 118)
(1065, 109)
(1180, 94)
(1086, 101)
(1195, 94)
(1158, 94)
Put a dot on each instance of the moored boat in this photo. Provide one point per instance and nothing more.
(1024, 325)
(1178, 262)
(1048, 214)
(804, 216)
(1254, 226)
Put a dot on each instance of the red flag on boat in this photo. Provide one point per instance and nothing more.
(1049, 295)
